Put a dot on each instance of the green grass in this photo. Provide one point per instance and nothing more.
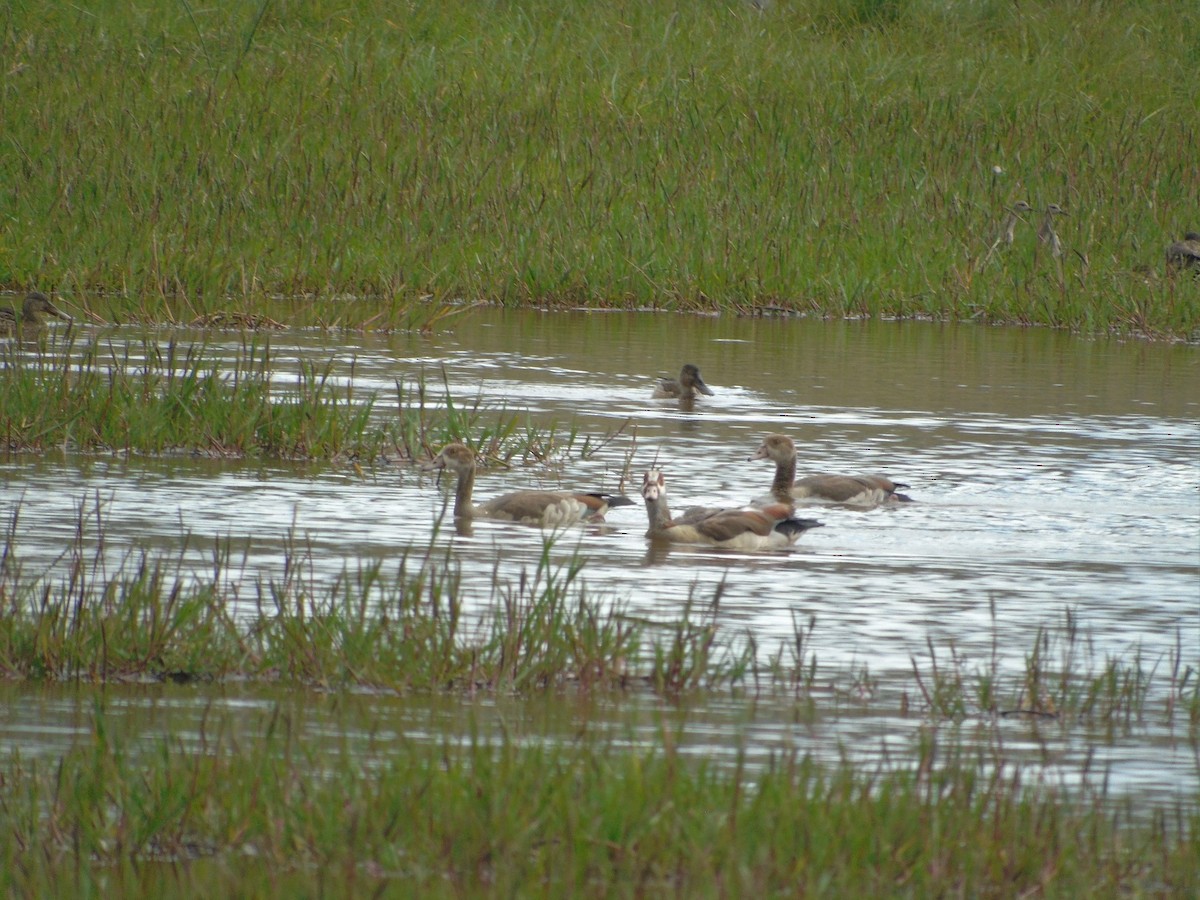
(365, 166)
(267, 815)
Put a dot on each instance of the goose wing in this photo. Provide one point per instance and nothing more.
(845, 488)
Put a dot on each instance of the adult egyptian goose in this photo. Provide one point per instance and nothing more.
(852, 490)
(773, 526)
(683, 388)
(551, 509)
(1185, 254)
(33, 312)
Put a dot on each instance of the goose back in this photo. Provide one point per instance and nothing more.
(1185, 254)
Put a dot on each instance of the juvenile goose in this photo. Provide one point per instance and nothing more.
(852, 490)
(738, 529)
(684, 387)
(1185, 254)
(549, 508)
(33, 311)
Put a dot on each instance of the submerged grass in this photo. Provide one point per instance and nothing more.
(402, 626)
(248, 803)
(149, 397)
(366, 167)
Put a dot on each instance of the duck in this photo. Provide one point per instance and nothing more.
(551, 509)
(768, 528)
(33, 312)
(1185, 254)
(683, 388)
(851, 490)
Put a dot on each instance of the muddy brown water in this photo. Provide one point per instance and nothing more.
(1050, 473)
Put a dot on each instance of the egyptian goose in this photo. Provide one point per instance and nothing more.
(684, 387)
(33, 311)
(1185, 254)
(852, 490)
(549, 508)
(737, 529)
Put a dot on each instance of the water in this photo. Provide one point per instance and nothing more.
(1051, 473)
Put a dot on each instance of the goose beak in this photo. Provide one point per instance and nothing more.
(437, 464)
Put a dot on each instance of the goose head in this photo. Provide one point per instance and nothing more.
(456, 458)
(654, 486)
(779, 448)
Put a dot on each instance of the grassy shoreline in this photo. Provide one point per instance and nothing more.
(366, 167)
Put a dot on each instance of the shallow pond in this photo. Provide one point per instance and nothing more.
(1050, 473)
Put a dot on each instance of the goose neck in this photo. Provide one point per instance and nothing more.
(463, 507)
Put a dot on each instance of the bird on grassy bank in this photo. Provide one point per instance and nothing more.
(32, 318)
(549, 508)
(1008, 228)
(771, 527)
(1046, 233)
(683, 388)
(1185, 254)
(850, 490)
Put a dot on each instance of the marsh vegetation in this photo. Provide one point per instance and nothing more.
(184, 720)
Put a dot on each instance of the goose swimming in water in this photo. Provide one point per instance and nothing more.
(548, 508)
(852, 490)
(771, 527)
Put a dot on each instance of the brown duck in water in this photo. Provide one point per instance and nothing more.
(32, 318)
(852, 490)
(771, 527)
(685, 387)
(548, 508)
